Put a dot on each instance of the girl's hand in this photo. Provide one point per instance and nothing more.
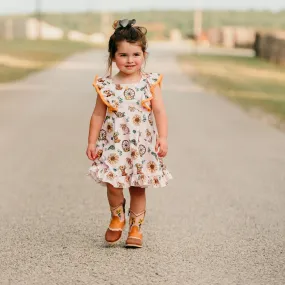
(91, 151)
(162, 144)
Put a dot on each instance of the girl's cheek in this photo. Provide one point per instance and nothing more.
(139, 62)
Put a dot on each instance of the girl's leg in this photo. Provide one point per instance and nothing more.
(115, 195)
(117, 207)
(138, 199)
(137, 213)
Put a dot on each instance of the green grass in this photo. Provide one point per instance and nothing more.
(45, 53)
(8, 74)
(250, 82)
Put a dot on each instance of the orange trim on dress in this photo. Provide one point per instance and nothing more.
(110, 107)
(152, 87)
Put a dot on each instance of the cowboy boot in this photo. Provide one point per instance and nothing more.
(135, 234)
(117, 223)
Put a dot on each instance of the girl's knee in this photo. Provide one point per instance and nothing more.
(137, 191)
(113, 190)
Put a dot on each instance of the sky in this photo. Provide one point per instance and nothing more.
(27, 6)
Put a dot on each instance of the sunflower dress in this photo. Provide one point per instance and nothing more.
(127, 139)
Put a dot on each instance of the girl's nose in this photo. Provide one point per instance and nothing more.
(130, 59)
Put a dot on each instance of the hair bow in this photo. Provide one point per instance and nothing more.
(123, 23)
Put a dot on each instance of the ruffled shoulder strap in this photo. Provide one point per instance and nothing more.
(105, 90)
(153, 79)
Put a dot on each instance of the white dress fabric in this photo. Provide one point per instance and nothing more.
(127, 139)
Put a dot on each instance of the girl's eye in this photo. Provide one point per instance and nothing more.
(137, 54)
(123, 55)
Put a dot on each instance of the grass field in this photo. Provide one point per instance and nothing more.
(22, 57)
(251, 82)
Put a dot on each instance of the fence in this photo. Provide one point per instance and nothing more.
(270, 47)
(232, 37)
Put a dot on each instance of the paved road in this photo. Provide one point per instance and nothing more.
(221, 221)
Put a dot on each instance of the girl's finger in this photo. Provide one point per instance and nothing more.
(93, 154)
(90, 155)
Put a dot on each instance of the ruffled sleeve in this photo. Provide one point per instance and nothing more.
(153, 79)
(104, 89)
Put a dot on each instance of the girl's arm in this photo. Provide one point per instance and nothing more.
(95, 126)
(161, 122)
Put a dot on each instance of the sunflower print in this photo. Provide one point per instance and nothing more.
(132, 221)
(113, 158)
(119, 213)
(137, 120)
(134, 154)
(140, 223)
(151, 166)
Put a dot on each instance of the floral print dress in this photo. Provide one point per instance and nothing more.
(127, 139)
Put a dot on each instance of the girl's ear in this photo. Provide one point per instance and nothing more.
(145, 54)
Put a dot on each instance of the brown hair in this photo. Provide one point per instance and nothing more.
(130, 34)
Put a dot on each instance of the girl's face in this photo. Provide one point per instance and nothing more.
(129, 57)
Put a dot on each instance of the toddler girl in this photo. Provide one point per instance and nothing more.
(124, 144)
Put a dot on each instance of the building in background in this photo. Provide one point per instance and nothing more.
(30, 29)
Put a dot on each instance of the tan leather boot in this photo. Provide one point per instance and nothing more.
(117, 223)
(135, 234)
